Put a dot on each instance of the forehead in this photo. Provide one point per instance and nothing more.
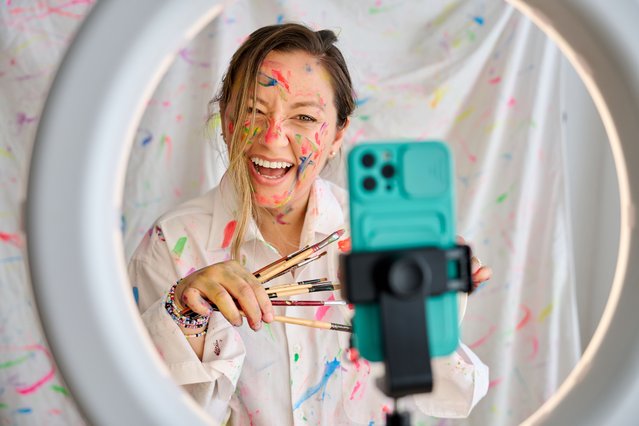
(297, 73)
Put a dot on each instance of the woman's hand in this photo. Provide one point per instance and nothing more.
(479, 272)
(230, 287)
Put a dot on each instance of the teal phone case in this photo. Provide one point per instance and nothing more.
(412, 208)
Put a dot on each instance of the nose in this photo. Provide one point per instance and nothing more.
(274, 134)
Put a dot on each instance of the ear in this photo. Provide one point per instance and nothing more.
(339, 136)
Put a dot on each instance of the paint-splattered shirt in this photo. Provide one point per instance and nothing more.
(283, 374)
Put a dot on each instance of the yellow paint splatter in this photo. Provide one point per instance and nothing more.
(545, 312)
(437, 96)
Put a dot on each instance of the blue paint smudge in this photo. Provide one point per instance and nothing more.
(329, 369)
(136, 295)
(280, 18)
(148, 137)
(270, 81)
(479, 20)
(362, 101)
(24, 410)
(306, 161)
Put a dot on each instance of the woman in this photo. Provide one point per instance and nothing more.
(285, 104)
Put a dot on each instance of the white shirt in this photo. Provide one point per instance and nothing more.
(283, 374)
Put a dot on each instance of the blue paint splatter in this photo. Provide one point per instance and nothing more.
(305, 161)
(24, 410)
(266, 80)
(280, 18)
(147, 138)
(361, 101)
(329, 369)
(136, 295)
(479, 19)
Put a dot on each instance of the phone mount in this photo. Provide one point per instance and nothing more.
(400, 281)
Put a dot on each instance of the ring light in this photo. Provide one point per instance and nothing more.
(82, 147)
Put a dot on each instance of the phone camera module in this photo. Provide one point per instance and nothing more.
(388, 171)
(368, 160)
(369, 183)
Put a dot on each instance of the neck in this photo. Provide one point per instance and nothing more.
(282, 226)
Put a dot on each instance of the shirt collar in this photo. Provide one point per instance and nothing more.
(324, 214)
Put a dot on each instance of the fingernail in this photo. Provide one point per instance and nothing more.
(268, 317)
(257, 325)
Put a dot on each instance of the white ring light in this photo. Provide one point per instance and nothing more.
(90, 117)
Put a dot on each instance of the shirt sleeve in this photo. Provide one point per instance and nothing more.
(211, 381)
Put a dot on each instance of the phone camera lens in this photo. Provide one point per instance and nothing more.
(370, 183)
(368, 160)
(388, 171)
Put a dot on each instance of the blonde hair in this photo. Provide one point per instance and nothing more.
(241, 79)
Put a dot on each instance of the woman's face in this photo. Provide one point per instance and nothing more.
(295, 128)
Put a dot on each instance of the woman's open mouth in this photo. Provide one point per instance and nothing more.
(269, 172)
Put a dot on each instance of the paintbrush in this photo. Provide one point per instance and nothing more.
(286, 263)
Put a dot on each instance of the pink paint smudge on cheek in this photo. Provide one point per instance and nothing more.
(306, 147)
(229, 230)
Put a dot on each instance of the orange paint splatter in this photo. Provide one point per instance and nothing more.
(344, 245)
(229, 230)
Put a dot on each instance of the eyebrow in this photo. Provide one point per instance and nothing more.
(296, 104)
(308, 104)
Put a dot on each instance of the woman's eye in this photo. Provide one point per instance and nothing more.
(257, 111)
(304, 117)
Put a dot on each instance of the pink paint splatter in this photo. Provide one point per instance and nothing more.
(495, 80)
(281, 80)
(525, 319)
(229, 230)
(355, 389)
(321, 311)
(511, 102)
(484, 338)
(13, 239)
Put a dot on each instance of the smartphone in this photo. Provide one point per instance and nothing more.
(402, 197)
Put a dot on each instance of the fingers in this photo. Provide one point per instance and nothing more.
(263, 300)
(232, 289)
(484, 273)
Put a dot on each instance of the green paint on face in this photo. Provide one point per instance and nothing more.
(60, 389)
(179, 246)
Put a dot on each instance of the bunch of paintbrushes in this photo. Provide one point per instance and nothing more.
(289, 263)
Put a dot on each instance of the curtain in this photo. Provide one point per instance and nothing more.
(475, 74)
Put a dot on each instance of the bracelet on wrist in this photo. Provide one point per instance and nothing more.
(188, 320)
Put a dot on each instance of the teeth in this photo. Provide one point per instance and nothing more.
(271, 164)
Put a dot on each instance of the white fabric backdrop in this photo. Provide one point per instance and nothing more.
(473, 73)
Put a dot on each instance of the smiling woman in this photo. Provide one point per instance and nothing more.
(285, 104)
(485, 80)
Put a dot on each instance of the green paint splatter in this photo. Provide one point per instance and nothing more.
(179, 246)
(364, 117)
(60, 389)
(3, 405)
(268, 328)
(296, 357)
(502, 197)
(14, 361)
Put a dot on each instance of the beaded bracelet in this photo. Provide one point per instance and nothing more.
(190, 320)
(190, 336)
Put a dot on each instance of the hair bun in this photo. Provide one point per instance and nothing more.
(327, 36)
